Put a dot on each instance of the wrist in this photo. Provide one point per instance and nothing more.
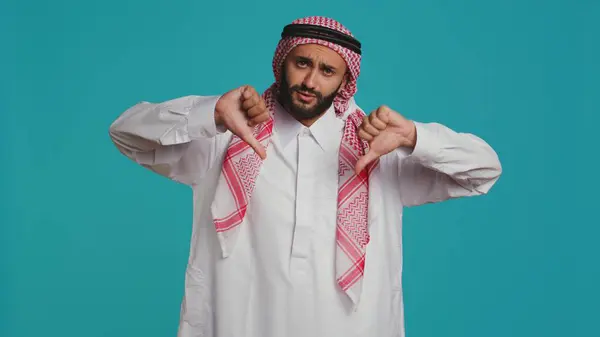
(217, 114)
(411, 137)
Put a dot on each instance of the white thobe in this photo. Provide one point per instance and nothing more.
(280, 279)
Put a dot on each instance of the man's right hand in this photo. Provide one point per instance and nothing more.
(239, 110)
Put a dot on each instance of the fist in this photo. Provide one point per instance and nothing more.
(385, 130)
(239, 111)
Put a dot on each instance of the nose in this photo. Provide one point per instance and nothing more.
(310, 79)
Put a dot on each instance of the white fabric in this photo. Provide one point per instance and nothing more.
(279, 281)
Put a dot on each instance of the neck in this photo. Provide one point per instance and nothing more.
(308, 121)
(303, 120)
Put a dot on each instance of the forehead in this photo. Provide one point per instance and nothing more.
(318, 53)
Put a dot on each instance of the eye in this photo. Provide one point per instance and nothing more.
(301, 63)
(328, 71)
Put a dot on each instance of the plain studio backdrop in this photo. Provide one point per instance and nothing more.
(93, 245)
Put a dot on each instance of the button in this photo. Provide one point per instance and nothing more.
(305, 132)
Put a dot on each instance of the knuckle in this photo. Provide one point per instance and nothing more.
(259, 119)
(256, 111)
(364, 134)
(383, 110)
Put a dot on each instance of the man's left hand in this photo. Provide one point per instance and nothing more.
(385, 130)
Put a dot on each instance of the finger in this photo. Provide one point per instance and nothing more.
(248, 137)
(365, 135)
(383, 113)
(250, 102)
(376, 122)
(247, 91)
(258, 119)
(369, 128)
(256, 110)
(365, 160)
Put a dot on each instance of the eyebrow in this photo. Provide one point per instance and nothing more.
(323, 65)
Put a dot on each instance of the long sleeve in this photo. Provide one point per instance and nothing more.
(445, 164)
(175, 138)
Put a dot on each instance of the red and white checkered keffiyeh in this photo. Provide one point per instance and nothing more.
(241, 167)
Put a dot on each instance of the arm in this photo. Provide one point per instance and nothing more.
(175, 138)
(445, 164)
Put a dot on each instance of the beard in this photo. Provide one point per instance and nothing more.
(303, 111)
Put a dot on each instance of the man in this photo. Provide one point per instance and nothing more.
(298, 196)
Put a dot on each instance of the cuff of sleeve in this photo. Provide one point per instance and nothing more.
(427, 148)
(201, 118)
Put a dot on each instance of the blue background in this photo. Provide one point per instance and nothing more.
(93, 245)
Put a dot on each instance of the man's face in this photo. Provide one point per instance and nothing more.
(311, 77)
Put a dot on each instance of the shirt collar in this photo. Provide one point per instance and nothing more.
(327, 130)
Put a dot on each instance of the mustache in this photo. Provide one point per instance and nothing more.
(304, 89)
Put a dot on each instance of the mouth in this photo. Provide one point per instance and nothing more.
(305, 97)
